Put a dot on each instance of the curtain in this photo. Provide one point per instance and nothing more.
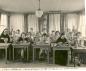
(3, 22)
(77, 22)
(33, 23)
(72, 21)
(17, 22)
(82, 25)
(54, 22)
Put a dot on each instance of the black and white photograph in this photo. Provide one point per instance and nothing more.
(42, 34)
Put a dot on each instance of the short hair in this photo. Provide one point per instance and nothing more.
(62, 34)
(57, 32)
(23, 33)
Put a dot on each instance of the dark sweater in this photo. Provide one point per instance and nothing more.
(61, 40)
(4, 36)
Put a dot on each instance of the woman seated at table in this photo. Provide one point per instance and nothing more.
(62, 39)
(29, 38)
(16, 34)
(79, 43)
(4, 38)
(22, 39)
(52, 36)
(37, 38)
(61, 56)
(45, 39)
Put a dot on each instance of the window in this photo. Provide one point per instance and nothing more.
(82, 25)
(17, 22)
(33, 23)
(54, 22)
(3, 22)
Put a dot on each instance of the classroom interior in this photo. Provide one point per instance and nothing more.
(42, 33)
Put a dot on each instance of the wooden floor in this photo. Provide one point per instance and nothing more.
(37, 64)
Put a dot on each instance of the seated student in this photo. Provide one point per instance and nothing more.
(32, 33)
(57, 35)
(45, 40)
(61, 56)
(29, 37)
(5, 38)
(37, 38)
(16, 35)
(79, 43)
(52, 36)
(62, 39)
(79, 39)
(22, 39)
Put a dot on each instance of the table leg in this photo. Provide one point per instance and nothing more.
(53, 56)
(48, 56)
(27, 53)
(6, 55)
(68, 60)
(13, 53)
(33, 54)
(74, 60)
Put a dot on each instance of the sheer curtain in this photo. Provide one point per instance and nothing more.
(54, 22)
(17, 22)
(33, 23)
(77, 22)
(3, 22)
(72, 21)
(82, 25)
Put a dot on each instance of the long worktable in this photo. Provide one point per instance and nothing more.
(62, 48)
(21, 46)
(5, 46)
(78, 50)
(41, 46)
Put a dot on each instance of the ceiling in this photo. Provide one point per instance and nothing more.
(24, 6)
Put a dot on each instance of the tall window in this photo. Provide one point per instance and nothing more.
(82, 25)
(72, 21)
(54, 22)
(77, 22)
(3, 22)
(33, 23)
(17, 22)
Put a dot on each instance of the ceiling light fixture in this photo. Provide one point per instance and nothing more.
(39, 12)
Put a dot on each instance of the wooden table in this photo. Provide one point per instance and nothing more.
(4, 46)
(21, 46)
(63, 48)
(41, 46)
(78, 50)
